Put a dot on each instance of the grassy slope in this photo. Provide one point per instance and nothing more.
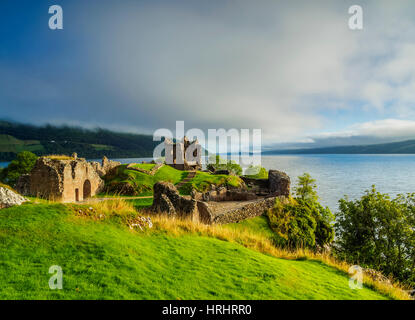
(145, 182)
(144, 166)
(104, 259)
(203, 180)
(257, 225)
(90, 144)
(11, 144)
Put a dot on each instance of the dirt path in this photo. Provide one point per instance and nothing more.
(114, 198)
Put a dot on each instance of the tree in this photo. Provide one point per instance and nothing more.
(302, 221)
(306, 189)
(23, 164)
(378, 232)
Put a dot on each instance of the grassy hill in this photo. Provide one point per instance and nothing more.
(13, 145)
(143, 183)
(402, 147)
(43, 140)
(102, 258)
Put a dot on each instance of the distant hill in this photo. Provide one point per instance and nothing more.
(48, 139)
(403, 147)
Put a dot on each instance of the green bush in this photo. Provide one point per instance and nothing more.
(302, 221)
(256, 172)
(23, 164)
(378, 232)
(218, 163)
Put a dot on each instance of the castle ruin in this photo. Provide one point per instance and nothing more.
(184, 155)
(64, 180)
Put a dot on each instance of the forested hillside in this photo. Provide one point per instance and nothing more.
(48, 139)
(401, 147)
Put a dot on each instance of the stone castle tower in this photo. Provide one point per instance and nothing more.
(183, 155)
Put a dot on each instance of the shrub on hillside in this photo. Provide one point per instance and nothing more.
(23, 164)
(217, 163)
(378, 232)
(302, 221)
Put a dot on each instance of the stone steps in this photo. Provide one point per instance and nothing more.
(189, 177)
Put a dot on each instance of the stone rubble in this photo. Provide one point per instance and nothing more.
(238, 204)
(9, 198)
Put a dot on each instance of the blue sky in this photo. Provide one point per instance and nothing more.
(294, 70)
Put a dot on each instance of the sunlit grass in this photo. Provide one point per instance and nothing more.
(59, 157)
(104, 258)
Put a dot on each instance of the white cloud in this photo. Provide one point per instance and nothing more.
(287, 68)
(383, 130)
(244, 65)
(269, 66)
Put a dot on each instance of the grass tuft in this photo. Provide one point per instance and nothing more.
(59, 157)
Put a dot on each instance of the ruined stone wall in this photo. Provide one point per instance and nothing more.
(250, 210)
(80, 181)
(257, 186)
(45, 180)
(151, 172)
(224, 194)
(61, 180)
(166, 199)
(277, 184)
(105, 166)
(204, 207)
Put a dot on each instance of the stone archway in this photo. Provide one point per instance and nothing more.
(87, 189)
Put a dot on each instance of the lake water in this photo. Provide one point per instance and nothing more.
(339, 175)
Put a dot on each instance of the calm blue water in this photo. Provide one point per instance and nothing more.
(339, 175)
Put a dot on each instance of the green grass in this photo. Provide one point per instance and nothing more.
(203, 180)
(106, 260)
(11, 144)
(102, 147)
(59, 157)
(143, 182)
(141, 203)
(144, 166)
(258, 225)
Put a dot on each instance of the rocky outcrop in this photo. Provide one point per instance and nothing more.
(258, 186)
(279, 183)
(166, 199)
(205, 214)
(9, 198)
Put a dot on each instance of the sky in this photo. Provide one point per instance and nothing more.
(293, 69)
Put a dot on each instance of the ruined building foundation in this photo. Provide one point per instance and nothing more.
(68, 180)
